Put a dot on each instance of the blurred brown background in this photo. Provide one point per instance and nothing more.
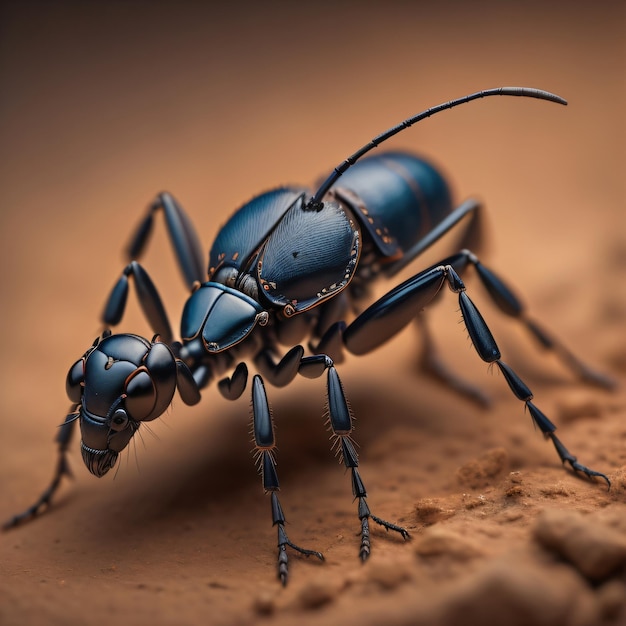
(104, 104)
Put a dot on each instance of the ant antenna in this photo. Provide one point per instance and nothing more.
(315, 203)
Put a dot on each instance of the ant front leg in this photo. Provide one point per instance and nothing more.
(265, 445)
(148, 297)
(62, 439)
(188, 251)
(185, 240)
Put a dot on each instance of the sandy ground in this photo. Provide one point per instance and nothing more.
(105, 105)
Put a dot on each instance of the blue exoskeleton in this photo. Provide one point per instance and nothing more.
(290, 267)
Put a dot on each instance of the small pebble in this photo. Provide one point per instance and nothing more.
(443, 542)
(428, 511)
(390, 573)
(612, 600)
(264, 604)
(595, 549)
(316, 594)
(484, 470)
(516, 591)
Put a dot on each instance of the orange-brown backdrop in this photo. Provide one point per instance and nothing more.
(104, 104)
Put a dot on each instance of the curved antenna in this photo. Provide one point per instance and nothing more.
(315, 203)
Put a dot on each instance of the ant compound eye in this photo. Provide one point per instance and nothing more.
(119, 420)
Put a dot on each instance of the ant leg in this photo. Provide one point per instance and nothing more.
(265, 445)
(488, 351)
(282, 373)
(232, 387)
(62, 439)
(432, 365)
(185, 240)
(390, 314)
(472, 236)
(503, 296)
(393, 311)
(331, 342)
(148, 297)
(340, 420)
